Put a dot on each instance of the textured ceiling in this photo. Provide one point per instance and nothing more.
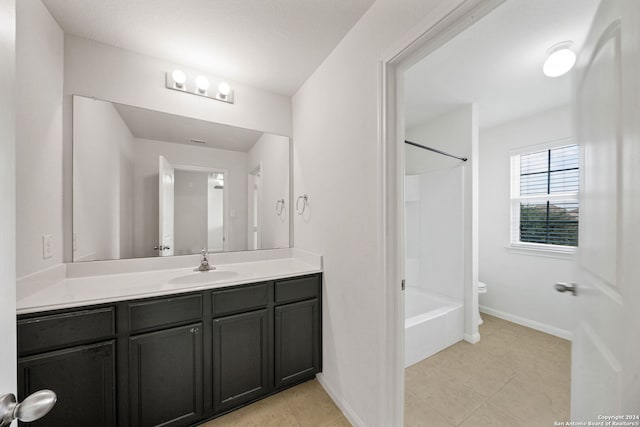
(149, 124)
(270, 44)
(497, 63)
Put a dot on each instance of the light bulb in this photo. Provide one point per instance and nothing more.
(179, 77)
(224, 89)
(203, 84)
(559, 62)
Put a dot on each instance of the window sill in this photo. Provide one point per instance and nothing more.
(561, 252)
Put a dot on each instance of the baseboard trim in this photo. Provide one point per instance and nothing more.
(472, 338)
(353, 418)
(539, 326)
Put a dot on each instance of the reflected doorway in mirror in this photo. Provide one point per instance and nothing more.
(117, 182)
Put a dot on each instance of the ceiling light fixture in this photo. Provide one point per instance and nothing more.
(560, 60)
(178, 80)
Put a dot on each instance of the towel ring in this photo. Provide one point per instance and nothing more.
(279, 206)
(305, 200)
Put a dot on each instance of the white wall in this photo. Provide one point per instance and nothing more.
(520, 285)
(103, 170)
(271, 154)
(7, 198)
(335, 134)
(190, 212)
(146, 189)
(109, 73)
(39, 79)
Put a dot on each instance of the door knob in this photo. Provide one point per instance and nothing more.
(566, 287)
(33, 407)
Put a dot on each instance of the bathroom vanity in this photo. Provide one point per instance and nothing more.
(173, 359)
(128, 334)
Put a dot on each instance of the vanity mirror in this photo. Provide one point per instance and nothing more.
(147, 184)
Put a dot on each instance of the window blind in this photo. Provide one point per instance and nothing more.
(548, 196)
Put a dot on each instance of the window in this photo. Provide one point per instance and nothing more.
(544, 198)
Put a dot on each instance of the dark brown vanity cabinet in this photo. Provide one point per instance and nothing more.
(165, 377)
(174, 360)
(74, 354)
(241, 345)
(297, 330)
(297, 347)
(240, 359)
(166, 361)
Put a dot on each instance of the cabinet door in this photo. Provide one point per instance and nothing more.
(165, 377)
(297, 342)
(82, 377)
(240, 359)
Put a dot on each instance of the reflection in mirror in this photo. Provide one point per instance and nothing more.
(147, 184)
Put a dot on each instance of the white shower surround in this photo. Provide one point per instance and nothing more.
(437, 241)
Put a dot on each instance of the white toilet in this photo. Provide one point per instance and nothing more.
(482, 289)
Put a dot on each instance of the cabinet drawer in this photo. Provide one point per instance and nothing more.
(239, 299)
(297, 289)
(151, 314)
(64, 330)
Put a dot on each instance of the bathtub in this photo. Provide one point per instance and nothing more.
(432, 323)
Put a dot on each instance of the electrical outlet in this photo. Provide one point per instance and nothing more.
(47, 246)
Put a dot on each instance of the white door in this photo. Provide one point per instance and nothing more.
(7, 201)
(216, 211)
(254, 210)
(166, 175)
(606, 348)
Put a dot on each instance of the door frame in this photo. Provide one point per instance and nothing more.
(8, 353)
(418, 43)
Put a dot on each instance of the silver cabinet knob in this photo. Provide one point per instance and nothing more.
(567, 287)
(33, 407)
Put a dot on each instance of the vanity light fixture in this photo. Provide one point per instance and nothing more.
(202, 85)
(178, 80)
(223, 90)
(561, 59)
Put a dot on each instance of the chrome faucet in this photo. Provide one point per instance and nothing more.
(204, 262)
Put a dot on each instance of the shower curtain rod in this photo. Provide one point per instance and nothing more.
(415, 144)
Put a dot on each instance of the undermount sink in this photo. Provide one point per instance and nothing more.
(203, 277)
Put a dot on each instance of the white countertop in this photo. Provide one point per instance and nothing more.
(66, 292)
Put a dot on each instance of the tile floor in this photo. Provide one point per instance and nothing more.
(515, 376)
(305, 405)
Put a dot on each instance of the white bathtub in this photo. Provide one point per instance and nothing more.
(432, 323)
